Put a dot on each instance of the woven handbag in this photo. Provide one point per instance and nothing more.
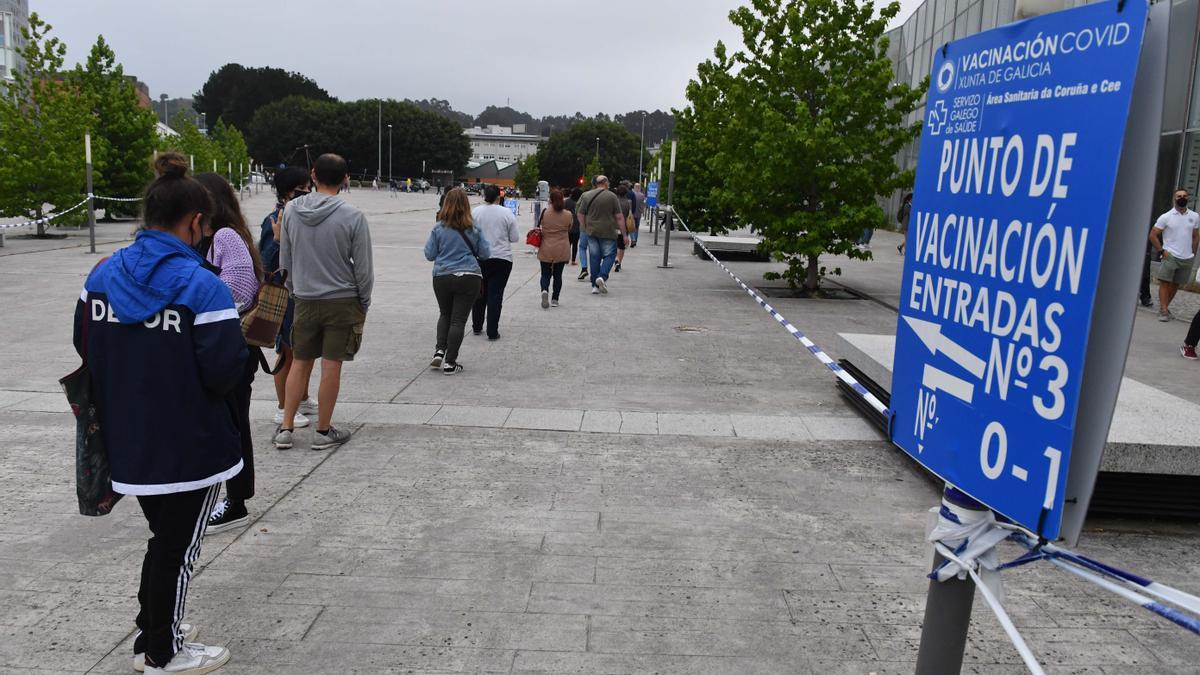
(261, 322)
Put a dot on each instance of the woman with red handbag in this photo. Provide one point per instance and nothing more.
(554, 251)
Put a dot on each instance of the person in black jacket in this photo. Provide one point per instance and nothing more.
(161, 338)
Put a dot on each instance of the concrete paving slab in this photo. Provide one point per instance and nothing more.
(767, 426)
(842, 429)
(690, 424)
(51, 403)
(470, 416)
(397, 413)
(639, 423)
(601, 421)
(542, 418)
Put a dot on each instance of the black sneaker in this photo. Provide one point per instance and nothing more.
(437, 358)
(330, 439)
(451, 368)
(225, 517)
(618, 267)
(583, 274)
(477, 331)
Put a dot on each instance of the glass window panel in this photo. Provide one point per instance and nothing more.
(1190, 175)
(974, 14)
(960, 26)
(922, 33)
(1165, 178)
(1005, 11)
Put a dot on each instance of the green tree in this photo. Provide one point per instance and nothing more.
(813, 123)
(202, 151)
(42, 122)
(231, 146)
(563, 157)
(527, 176)
(234, 93)
(700, 190)
(124, 132)
(594, 168)
(280, 131)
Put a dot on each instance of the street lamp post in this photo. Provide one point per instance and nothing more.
(204, 123)
(389, 154)
(379, 166)
(642, 147)
(597, 148)
(166, 120)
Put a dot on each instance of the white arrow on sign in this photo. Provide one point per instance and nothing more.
(931, 334)
(939, 380)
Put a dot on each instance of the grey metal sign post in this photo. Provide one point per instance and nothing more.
(666, 264)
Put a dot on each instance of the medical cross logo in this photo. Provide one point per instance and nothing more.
(938, 116)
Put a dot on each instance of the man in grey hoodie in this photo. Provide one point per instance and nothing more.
(325, 247)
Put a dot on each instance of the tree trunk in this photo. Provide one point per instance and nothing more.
(41, 227)
(812, 278)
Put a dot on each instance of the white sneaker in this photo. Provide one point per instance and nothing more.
(602, 284)
(298, 422)
(308, 407)
(189, 635)
(595, 291)
(193, 659)
(545, 299)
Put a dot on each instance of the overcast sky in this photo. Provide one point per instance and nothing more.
(540, 57)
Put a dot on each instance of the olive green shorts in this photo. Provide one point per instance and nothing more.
(329, 329)
(1173, 270)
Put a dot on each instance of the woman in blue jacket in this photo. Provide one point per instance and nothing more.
(162, 340)
(455, 246)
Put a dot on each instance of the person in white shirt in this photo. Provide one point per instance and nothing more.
(1175, 236)
(499, 227)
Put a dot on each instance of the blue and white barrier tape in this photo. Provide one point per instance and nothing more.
(1114, 580)
(116, 199)
(44, 219)
(795, 332)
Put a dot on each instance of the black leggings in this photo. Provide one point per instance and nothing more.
(554, 270)
(455, 295)
(241, 487)
(573, 237)
(491, 297)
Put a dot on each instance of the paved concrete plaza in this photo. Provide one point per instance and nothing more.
(657, 480)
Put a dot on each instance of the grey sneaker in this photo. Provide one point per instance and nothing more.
(283, 439)
(554, 302)
(545, 299)
(193, 659)
(602, 284)
(1165, 316)
(189, 635)
(330, 439)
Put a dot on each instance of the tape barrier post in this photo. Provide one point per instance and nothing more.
(666, 264)
(948, 603)
(91, 201)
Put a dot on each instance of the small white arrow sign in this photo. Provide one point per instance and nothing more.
(931, 334)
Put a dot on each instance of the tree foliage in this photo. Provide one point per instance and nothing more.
(124, 132)
(659, 125)
(443, 108)
(42, 123)
(527, 175)
(281, 129)
(234, 92)
(506, 117)
(803, 125)
(564, 156)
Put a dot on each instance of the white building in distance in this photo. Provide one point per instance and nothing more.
(503, 144)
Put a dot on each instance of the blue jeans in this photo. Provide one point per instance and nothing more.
(583, 248)
(637, 225)
(601, 254)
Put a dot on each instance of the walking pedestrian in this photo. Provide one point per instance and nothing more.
(556, 223)
(627, 212)
(573, 235)
(456, 247)
(601, 217)
(325, 248)
(160, 335)
(902, 217)
(583, 239)
(290, 182)
(1175, 236)
(229, 247)
(499, 227)
(639, 206)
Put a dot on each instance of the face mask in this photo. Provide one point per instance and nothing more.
(1181, 202)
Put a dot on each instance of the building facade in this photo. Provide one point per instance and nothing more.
(935, 22)
(502, 144)
(14, 15)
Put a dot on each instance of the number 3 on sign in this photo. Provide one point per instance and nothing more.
(1053, 388)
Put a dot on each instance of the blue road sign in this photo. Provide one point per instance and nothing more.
(511, 205)
(1018, 160)
(652, 193)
